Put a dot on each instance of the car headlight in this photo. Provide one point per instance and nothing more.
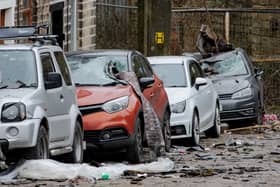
(243, 93)
(116, 105)
(178, 107)
(12, 112)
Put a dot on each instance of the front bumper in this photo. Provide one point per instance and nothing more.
(241, 109)
(117, 141)
(20, 134)
(180, 124)
(118, 126)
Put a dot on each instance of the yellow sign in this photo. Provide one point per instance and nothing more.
(159, 38)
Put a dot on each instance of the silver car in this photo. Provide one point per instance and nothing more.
(39, 112)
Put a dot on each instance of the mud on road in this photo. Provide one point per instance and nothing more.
(248, 159)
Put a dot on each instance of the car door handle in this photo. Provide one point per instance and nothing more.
(61, 97)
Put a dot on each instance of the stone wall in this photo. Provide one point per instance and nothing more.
(86, 24)
(86, 16)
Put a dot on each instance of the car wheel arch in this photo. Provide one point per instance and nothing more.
(140, 114)
(195, 110)
(80, 120)
(44, 122)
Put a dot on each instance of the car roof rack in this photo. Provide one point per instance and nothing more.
(28, 32)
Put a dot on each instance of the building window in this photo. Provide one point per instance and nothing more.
(27, 12)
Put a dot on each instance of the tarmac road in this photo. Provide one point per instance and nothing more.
(250, 159)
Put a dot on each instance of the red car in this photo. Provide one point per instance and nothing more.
(112, 111)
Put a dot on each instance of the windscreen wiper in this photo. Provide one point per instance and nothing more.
(111, 84)
(3, 86)
(80, 84)
(24, 85)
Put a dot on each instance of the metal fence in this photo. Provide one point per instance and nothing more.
(256, 31)
(117, 24)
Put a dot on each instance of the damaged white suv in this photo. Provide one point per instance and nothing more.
(39, 113)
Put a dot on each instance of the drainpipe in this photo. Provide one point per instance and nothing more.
(227, 26)
(74, 25)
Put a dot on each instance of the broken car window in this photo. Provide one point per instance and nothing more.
(229, 66)
(90, 70)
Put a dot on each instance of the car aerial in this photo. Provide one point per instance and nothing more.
(238, 84)
(112, 111)
(194, 102)
(39, 112)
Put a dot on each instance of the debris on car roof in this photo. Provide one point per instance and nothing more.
(208, 42)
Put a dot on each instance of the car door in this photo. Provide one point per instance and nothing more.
(208, 96)
(68, 89)
(54, 102)
(200, 95)
(159, 97)
(138, 68)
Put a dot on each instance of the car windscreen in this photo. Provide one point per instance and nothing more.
(17, 69)
(90, 70)
(172, 75)
(232, 65)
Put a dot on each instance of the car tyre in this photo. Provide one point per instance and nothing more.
(215, 130)
(135, 150)
(194, 140)
(76, 156)
(166, 131)
(41, 150)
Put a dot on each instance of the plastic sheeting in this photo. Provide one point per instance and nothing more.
(53, 170)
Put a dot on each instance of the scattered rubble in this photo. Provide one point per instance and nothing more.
(234, 158)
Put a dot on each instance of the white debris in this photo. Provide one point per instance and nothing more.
(53, 170)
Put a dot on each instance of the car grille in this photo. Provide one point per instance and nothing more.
(229, 115)
(178, 130)
(225, 96)
(95, 136)
(90, 109)
(241, 113)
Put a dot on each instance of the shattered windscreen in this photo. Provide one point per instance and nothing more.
(90, 70)
(172, 75)
(229, 66)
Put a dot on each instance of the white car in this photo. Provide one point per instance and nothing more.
(195, 106)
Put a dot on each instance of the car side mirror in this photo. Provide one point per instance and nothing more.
(200, 82)
(258, 72)
(53, 80)
(146, 82)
